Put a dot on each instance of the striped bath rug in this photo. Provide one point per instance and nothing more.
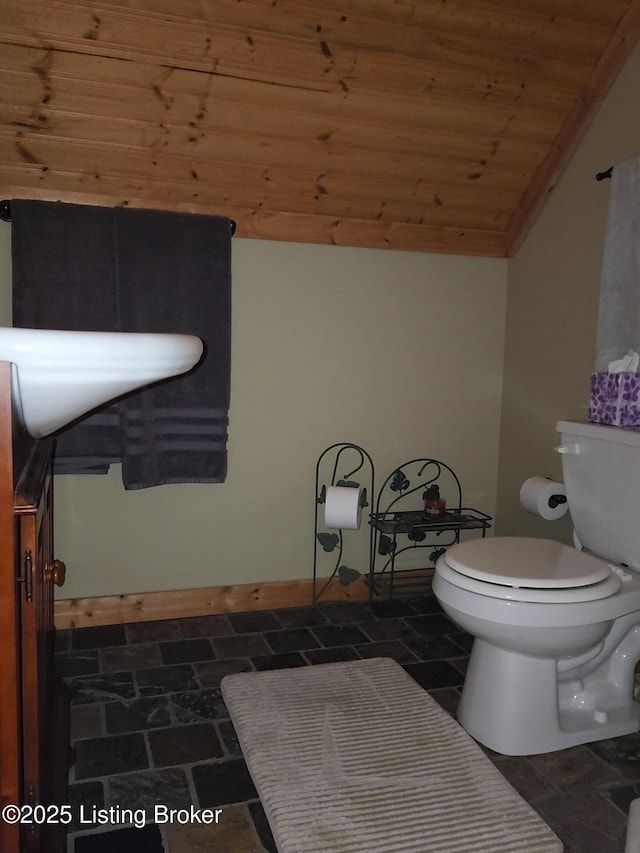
(357, 758)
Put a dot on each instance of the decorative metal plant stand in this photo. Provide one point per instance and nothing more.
(399, 512)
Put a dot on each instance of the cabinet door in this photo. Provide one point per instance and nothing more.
(10, 697)
(36, 557)
(10, 704)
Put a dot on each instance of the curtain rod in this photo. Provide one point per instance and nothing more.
(602, 176)
(5, 214)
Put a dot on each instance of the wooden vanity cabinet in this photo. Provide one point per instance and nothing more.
(10, 643)
(34, 715)
(44, 716)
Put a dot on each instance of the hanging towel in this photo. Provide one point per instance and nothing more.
(619, 311)
(174, 273)
(116, 269)
(64, 277)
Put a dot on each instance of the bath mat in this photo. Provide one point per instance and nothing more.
(356, 758)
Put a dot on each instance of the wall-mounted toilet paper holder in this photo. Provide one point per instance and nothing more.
(544, 497)
(556, 500)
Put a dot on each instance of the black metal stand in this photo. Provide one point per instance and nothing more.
(327, 542)
(401, 534)
(399, 511)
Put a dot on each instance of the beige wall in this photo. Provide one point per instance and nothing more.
(400, 352)
(552, 309)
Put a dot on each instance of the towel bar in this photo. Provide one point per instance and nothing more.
(5, 214)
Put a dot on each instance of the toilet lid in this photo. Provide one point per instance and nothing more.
(526, 562)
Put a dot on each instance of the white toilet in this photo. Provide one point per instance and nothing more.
(557, 629)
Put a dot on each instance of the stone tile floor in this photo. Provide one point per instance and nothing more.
(148, 725)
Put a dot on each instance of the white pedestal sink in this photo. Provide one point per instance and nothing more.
(60, 375)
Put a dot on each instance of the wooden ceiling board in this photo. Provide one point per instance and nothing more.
(432, 125)
(189, 96)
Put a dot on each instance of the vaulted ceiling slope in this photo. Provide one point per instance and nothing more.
(433, 125)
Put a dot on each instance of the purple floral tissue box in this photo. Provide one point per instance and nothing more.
(615, 399)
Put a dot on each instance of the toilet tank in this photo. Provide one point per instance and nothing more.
(601, 472)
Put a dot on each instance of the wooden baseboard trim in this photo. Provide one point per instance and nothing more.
(203, 601)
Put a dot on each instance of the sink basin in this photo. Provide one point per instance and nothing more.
(59, 376)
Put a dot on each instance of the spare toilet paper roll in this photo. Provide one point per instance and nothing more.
(539, 495)
(342, 507)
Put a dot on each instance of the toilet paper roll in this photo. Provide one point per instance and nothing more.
(544, 497)
(342, 507)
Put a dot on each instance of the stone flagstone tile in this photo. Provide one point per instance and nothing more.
(284, 660)
(114, 687)
(448, 698)
(106, 756)
(575, 766)
(98, 637)
(137, 656)
(145, 713)
(337, 635)
(585, 820)
(291, 640)
(387, 629)
(62, 640)
(461, 664)
(151, 632)
(205, 626)
(342, 613)
(194, 705)
(86, 721)
(233, 831)
(519, 772)
(622, 797)
(129, 840)
(300, 617)
(263, 829)
(465, 641)
(386, 649)
(426, 604)
(432, 648)
(249, 623)
(76, 663)
(230, 738)
(331, 655)
(186, 651)
(621, 753)
(211, 673)
(386, 609)
(223, 784)
(83, 797)
(184, 744)
(168, 787)
(240, 646)
(165, 679)
(435, 623)
(434, 674)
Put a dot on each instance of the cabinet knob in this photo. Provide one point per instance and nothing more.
(55, 572)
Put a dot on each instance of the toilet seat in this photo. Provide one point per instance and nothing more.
(528, 569)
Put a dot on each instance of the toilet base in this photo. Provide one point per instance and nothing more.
(510, 704)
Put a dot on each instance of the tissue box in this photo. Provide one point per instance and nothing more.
(615, 399)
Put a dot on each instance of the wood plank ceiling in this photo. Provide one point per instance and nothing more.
(432, 125)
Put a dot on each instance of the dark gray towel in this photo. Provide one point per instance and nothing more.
(80, 267)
